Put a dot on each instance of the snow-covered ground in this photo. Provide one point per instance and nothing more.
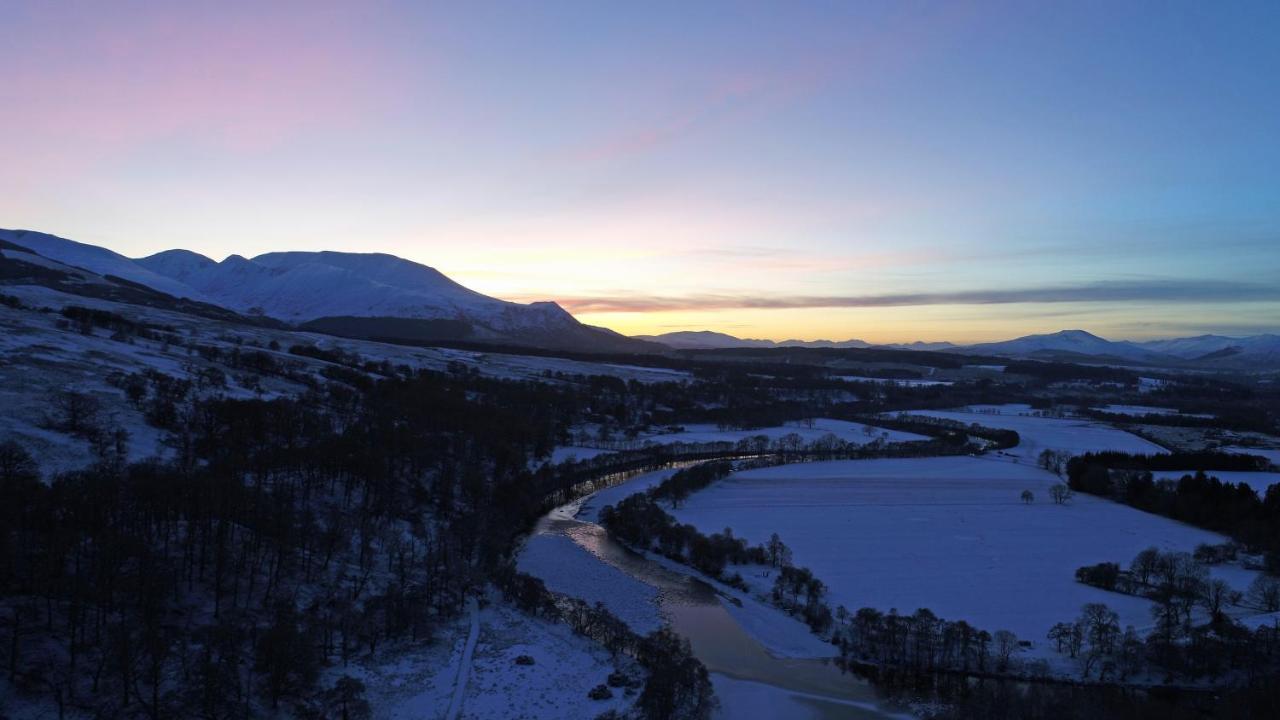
(904, 382)
(1041, 433)
(950, 534)
(419, 684)
(38, 359)
(1139, 410)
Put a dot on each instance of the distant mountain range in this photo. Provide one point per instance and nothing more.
(1209, 351)
(355, 294)
(709, 340)
(381, 296)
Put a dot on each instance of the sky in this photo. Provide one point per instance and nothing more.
(886, 171)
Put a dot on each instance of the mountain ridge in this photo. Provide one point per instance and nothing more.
(1071, 345)
(309, 287)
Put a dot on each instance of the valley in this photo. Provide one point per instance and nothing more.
(435, 529)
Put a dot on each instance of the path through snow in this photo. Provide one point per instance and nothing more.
(464, 667)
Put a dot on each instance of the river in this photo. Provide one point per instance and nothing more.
(750, 681)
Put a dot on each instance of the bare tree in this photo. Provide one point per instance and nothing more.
(1101, 626)
(1060, 493)
(1265, 593)
(1006, 643)
(779, 553)
(1053, 460)
(1214, 595)
(1144, 564)
(1028, 497)
(1061, 633)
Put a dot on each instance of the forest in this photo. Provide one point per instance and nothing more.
(283, 536)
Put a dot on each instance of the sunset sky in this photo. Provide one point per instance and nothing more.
(888, 171)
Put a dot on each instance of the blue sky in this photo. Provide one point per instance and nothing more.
(890, 171)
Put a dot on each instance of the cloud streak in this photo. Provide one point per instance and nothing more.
(1153, 291)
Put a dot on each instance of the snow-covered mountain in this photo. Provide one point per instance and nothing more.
(710, 340)
(98, 260)
(366, 295)
(20, 265)
(1193, 348)
(302, 286)
(1208, 351)
(1073, 342)
(703, 340)
(923, 346)
(851, 343)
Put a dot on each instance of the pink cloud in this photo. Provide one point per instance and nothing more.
(96, 81)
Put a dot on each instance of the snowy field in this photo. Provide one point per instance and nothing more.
(904, 382)
(949, 534)
(1140, 410)
(1041, 433)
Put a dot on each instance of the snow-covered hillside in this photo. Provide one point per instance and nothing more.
(96, 259)
(298, 287)
(1192, 348)
(43, 356)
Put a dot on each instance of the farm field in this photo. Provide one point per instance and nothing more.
(1041, 433)
(1139, 410)
(949, 534)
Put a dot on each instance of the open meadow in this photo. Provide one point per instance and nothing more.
(950, 534)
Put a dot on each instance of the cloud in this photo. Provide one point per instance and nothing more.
(1153, 291)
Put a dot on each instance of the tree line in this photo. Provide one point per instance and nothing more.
(1232, 509)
